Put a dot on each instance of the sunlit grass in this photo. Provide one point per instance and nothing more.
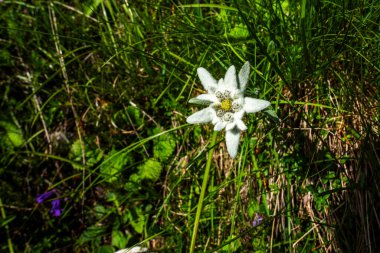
(94, 105)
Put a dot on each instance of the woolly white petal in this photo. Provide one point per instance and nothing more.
(240, 124)
(204, 99)
(252, 105)
(208, 82)
(221, 82)
(230, 79)
(244, 76)
(230, 126)
(239, 114)
(219, 126)
(136, 249)
(232, 141)
(237, 95)
(203, 116)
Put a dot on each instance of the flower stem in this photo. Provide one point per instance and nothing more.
(203, 191)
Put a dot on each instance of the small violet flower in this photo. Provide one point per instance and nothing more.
(226, 104)
(258, 220)
(44, 196)
(56, 209)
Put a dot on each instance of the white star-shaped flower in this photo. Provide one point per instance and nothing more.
(226, 104)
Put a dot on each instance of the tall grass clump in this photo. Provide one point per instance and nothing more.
(96, 154)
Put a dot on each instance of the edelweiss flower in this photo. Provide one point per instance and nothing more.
(226, 104)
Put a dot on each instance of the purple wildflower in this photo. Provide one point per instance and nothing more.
(44, 196)
(258, 220)
(56, 209)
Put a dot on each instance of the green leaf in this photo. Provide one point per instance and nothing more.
(5, 58)
(137, 219)
(93, 155)
(100, 211)
(135, 115)
(112, 169)
(272, 114)
(238, 32)
(119, 239)
(91, 233)
(76, 149)
(150, 170)
(163, 147)
(253, 208)
(13, 133)
(133, 184)
(91, 7)
(105, 249)
(5, 221)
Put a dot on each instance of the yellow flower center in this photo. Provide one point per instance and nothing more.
(226, 105)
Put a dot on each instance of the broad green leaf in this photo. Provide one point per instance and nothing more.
(239, 31)
(163, 147)
(13, 133)
(151, 170)
(253, 208)
(135, 115)
(105, 249)
(119, 239)
(133, 183)
(112, 169)
(91, 233)
(137, 219)
(100, 211)
(93, 156)
(76, 149)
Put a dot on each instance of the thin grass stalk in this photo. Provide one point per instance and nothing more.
(239, 184)
(203, 191)
(288, 210)
(9, 239)
(58, 48)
